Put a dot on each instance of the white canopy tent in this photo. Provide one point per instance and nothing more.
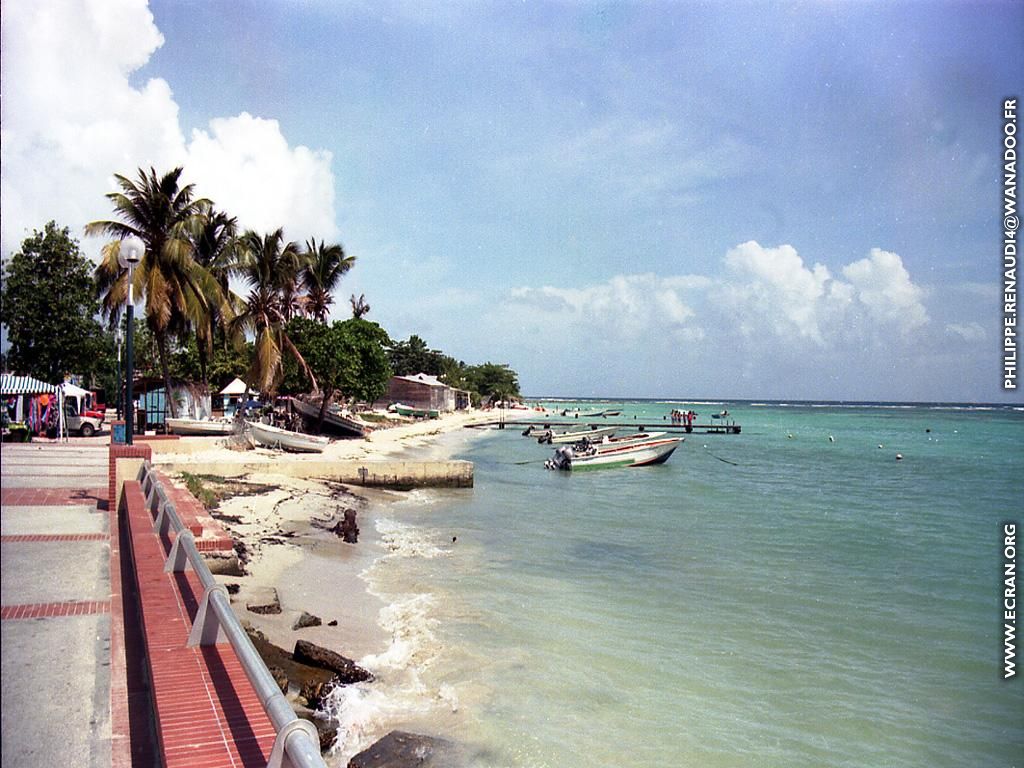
(17, 386)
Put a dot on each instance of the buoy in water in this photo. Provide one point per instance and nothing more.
(831, 439)
(899, 457)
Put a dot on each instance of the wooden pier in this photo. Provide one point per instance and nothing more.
(723, 428)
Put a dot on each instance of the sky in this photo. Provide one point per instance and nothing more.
(622, 199)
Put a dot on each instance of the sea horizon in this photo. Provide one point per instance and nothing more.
(779, 402)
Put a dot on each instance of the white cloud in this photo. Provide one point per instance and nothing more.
(883, 287)
(771, 287)
(767, 303)
(972, 332)
(771, 291)
(71, 119)
(247, 167)
(626, 307)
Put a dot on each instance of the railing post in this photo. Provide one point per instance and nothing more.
(177, 559)
(206, 629)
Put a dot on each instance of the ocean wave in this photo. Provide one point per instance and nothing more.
(404, 540)
(366, 711)
(417, 497)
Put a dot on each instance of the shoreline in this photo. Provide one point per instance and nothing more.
(282, 532)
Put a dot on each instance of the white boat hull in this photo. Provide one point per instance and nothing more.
(626, 440)
(637, 455)
(200, 426)
(275, 437)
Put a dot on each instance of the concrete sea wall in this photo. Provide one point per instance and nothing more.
(378, 473)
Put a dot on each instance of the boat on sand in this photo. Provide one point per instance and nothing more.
(275, 437)
(188, 426)
(333, 418)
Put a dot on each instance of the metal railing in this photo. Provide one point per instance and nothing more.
(297, 743)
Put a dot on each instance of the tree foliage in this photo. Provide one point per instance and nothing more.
(347, 356)
(414, 356)
(49, 308)
(178, 291)
(492, 381)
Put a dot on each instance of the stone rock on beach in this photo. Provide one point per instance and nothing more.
(264, 601)
(400, 749)
(347, 529)
(348, 671)
(306, 620)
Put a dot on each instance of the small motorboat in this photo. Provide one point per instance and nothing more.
(605, 444)
(284, 439)
(592, 434)
(333, 418)
(188, 426)
(642, 454)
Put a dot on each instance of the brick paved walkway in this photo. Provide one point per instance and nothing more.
(55, 617)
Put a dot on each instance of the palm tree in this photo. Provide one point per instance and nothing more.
(324, 268)
(270, 267)
(359, 306)
(213, 245)
(178, 292)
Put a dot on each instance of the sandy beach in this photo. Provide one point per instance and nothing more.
(281, 525)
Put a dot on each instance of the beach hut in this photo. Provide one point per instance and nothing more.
(421, 391)
(236, 393)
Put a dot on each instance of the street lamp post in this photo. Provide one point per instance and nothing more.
(120, 386)
(129, 254)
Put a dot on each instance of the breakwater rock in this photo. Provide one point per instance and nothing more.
(400, 749)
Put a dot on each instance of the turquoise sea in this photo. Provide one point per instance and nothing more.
(773, 598)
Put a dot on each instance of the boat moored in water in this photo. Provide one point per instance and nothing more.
(605, 444)
(642, 454)
(593, 433)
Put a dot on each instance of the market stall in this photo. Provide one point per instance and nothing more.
(31, 407)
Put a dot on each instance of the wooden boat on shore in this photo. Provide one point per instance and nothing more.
(416, 413)
(333, 418)
(593, 433)
(642, 454)
(187, 426)
(275, 437)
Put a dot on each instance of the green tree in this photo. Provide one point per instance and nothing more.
(360, 306)
(49, 308)
(414, 356)
(213, 249)
(179, 293)
(270, 267)
(347, 356)
(494, 381)
(325, 266)
(366, 343)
